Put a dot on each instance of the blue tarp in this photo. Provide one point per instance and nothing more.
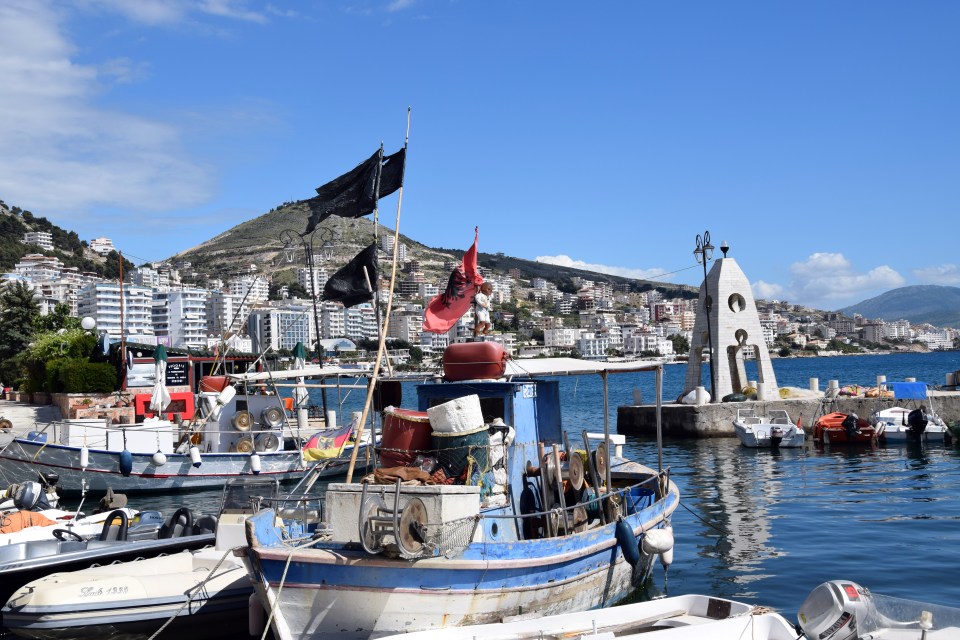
(909, 390)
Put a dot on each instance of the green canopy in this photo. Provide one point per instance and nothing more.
(160, 354)
(300, 351)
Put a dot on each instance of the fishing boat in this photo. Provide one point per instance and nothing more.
(772, 430)
(235, 433)
(835, 610)
(192, 593)
(509, 518)
(845, 428)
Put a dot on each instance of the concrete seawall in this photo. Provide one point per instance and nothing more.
(716, 420)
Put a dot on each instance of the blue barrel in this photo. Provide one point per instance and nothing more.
(453, 448)
(37, 436)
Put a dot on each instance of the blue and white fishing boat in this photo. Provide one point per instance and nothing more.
(540, 526)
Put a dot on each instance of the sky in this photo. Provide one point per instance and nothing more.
(820, 140)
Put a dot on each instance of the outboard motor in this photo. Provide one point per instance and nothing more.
(850, 426)
(836, 610)
(917, 421)
(776, 437)
(29, 496)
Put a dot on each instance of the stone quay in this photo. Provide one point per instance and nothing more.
(716, 420)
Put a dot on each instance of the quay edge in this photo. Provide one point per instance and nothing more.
(716, 420)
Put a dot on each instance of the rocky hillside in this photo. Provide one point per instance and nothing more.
(933, 304)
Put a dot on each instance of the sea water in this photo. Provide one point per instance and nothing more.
(767, 527)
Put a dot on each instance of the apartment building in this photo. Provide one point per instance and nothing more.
(181, 317)
(43, 239)
(102, 302)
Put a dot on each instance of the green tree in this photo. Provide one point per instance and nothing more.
(18, 313)
(57, 319)
(680, 343)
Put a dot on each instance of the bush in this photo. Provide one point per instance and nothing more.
(78, 376)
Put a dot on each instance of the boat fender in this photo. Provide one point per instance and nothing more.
(126, 463)
(627, 542)
(159, 458)
(255, 463)
(84, 457)
(195, 456)
(256, 618)
(659, 541)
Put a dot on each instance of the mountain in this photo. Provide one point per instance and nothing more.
(933, 304)
(258, 242)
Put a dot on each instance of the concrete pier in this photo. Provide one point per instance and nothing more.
(716, 420)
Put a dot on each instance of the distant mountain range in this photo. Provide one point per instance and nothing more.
(933, 304)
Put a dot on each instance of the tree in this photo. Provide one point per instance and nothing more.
(680, 343)
(57, 319)
(18, 313)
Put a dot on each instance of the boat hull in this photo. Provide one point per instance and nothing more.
(341, 592)
(24, 458)
(135, 601)
(757, 436)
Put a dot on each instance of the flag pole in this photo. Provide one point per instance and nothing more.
(386, 320)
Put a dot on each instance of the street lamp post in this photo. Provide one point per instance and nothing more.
(704, 253)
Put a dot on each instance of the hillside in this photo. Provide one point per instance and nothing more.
(933, 304)
(257, 241)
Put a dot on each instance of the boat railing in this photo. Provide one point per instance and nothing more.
(92, 433)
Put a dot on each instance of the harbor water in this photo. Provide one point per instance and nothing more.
(767, 527)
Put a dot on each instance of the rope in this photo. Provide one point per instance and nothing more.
(283, 579)
(192, 590)
(709, 524)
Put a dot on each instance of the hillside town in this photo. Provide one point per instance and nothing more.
(533, 316)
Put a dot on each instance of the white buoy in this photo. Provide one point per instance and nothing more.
(255, 462)
(659, 541)
(84, 457)
(159, 458)
(195, 456)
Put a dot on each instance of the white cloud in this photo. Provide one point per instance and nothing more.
(171, 12)
(945, 274)
(626, 272)
(829, 281)
(399, 5)
(65, 155)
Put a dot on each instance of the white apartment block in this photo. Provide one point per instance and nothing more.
(181, 317)
(539, 284)
(561, 338)
(897, 330)
(333, 320)
(226, 312)
(936, 338)
(593, 345)
(428, 291)
(38, 268)
(43, 239)
(320, 276)
(434, 343)
(386, 244)
(281, 327)
(146, 276)
(259, 288)
(102, 246)
(640, 342)
(101, 301)
(406, 324)
(360, 322)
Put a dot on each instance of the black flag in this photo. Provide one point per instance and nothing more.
(355, 193)
(349, 285)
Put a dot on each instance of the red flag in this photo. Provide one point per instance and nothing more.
(448, 307)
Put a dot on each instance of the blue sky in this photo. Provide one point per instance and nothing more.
(819, 139)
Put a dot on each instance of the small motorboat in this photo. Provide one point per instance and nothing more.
(914, 425)
(845, 428)
(189, 594)
(772, 430)
(835, 610)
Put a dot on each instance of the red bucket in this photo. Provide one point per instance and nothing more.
(406, 433)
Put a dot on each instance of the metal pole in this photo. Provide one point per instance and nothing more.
(703, 253)
(308, 249)
(659, 418)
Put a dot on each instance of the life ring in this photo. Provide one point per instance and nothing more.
(267, 443)
(245, 445)
(272, 417)
(242, 420)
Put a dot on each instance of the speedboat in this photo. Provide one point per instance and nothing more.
(193, 593)
(897, 427)
(506, 517)
(773, 429)
(835, 610)
(845, 428)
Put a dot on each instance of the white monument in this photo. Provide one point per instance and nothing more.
(726, 303)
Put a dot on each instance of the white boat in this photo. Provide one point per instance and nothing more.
(406, 558)
(234, 435)
(896, 427)
(198, 593)
(772, 430)
(836, 610)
